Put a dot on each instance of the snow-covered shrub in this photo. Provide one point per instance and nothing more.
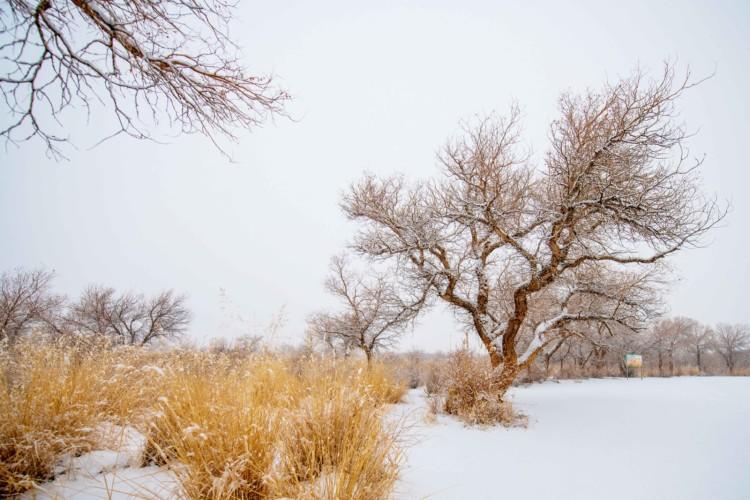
(408, 367)
(434, 377)
(471, 392)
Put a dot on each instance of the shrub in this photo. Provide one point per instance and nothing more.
(471, 392)
(434, 377)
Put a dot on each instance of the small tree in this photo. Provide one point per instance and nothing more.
(730, 341)
(145, 60)
(26, 302)
(521, 252)
(699, 341)
(666, 337)
(376, 311)
(129, 318)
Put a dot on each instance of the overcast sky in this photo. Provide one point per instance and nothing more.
(376, 89)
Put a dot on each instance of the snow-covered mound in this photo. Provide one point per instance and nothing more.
(682, 438)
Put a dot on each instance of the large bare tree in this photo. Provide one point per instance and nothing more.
(129, 318)
(27, 302)
(376, 310)
(523, 252)
(144, 60)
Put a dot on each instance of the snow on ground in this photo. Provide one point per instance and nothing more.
(120, 484)
(673, 438)
(682, 438)
(109, 473)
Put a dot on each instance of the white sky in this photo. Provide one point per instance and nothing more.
(376, 88)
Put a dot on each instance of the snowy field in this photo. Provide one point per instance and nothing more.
(679, 438)
(676, 438)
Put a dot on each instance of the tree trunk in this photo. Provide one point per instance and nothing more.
(600, 360)
(698, 359)
(495, 359)
(671, 363)
(507, 376)
(661, 365)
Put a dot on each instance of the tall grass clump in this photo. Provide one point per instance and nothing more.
(46, 408)
(263, 427)
(52, 396)
(216, 421)
(336, 443)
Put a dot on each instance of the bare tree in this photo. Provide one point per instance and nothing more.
(549, 351)
(521, 252)
(129, 318)
(699, 341)
(375, 314)
(730, 341)
(248, 343)
(144, 60)
(26, 302)
(666, 336)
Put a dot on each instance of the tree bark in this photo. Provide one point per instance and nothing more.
(507, 376)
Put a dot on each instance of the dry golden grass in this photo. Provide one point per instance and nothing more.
(470, 392)
(250, 427)
(260, 427)
(337, 446)
(51, 399)
(211, 422)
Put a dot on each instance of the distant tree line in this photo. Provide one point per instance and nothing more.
(669, 346)
(29, 305)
